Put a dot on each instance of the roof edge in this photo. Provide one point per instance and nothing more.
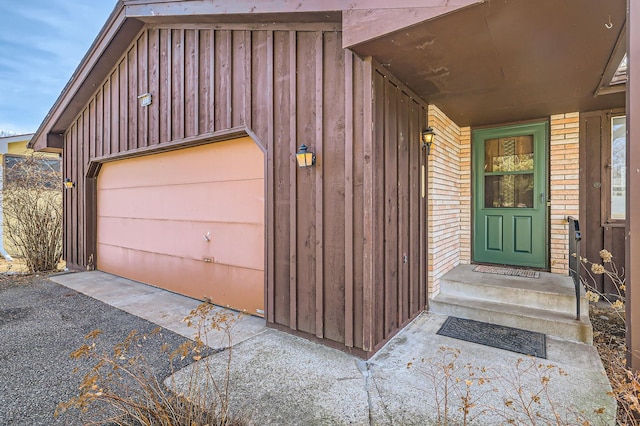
(240, 7)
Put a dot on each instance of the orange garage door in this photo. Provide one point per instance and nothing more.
(190, 221)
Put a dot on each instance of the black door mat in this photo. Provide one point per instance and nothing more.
(496, 336)
(507, 271)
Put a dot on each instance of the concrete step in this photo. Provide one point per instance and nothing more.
(548, 292)
(549, 322)
(546, 304)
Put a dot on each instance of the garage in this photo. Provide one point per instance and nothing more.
(190, 221)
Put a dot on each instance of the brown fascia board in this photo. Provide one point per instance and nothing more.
(144, 8)
(604, 86)
(359, 26)
(93, 68)
(362, 20)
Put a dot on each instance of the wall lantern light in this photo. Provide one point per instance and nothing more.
(145, 99)
(427, 137)
(305, 158)
(68, 183)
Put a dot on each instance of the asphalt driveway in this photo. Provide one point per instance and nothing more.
(41, 322)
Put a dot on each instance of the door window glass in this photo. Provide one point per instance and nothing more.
(509, 191)
(618, 167)
(508, 172)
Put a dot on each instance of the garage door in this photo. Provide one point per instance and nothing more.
(190, 221)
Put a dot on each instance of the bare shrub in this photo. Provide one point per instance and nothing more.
(121, 388)
(465, 394)
(33, 212)
(612, 348)
(453, 388)
(608, 268)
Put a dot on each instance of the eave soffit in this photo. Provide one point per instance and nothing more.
(499, 62)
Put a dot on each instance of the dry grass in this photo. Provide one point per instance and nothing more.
(19, 266)
(609, 338)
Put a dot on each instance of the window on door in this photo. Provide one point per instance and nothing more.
(508, 172)
(616, 156)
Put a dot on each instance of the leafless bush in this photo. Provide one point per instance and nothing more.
(33, 211)
(463, 393)
(606, 267)
(624, 381)
(453, 388)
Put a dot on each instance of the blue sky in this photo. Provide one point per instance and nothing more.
(41, 44)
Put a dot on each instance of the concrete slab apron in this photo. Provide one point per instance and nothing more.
(154, 304)
(281, 379)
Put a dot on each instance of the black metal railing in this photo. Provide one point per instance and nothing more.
(574, 258)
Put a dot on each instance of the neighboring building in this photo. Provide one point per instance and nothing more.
(181, 125)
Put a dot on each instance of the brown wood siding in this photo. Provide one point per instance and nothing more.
(306, 184)
(337, 233)
(333, 196)
(284, 175)
(399, 117)
(597, 233)
(354, 314)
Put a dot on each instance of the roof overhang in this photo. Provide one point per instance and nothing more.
(16, 138)
(481, 62)
(359, 19)
(504, 61)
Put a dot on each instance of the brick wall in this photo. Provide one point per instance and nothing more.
(465, 195)
(564, 175)
(447, 197)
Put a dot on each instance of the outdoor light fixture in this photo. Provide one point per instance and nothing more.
(427, 137)
(305, 158)
(145, 99)
(68, 183)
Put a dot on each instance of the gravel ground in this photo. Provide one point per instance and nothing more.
(41, 323)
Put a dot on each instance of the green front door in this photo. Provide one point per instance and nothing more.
(510, 195)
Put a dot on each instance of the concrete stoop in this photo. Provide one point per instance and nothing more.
(546, 304)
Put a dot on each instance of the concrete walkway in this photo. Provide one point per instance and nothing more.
(277, 378)
(154, 304)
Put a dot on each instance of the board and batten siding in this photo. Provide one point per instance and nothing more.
(345, 240)
(398, 206)
(598, 231)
